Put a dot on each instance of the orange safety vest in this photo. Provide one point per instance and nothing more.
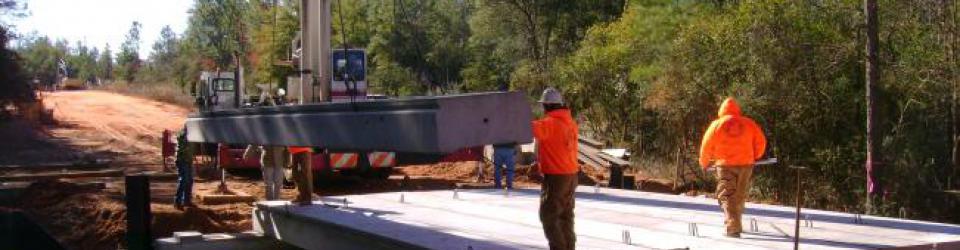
(556, 136)
(297, 150)
(732, 139)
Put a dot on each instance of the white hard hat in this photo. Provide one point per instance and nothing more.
(551, 96)
(281, 92)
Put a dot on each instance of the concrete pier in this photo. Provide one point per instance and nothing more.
(605, 219)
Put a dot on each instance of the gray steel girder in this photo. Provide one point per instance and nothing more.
(440, 124)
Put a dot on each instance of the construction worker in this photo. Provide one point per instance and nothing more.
(273, 160)
(184, 163)
(503, 162)
(732, 143)
(303, 174)
(556, 137)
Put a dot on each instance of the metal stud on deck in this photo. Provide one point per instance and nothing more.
(626, 237)
(693, 230)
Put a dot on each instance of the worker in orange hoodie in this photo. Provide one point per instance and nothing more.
(302, 165)
(556, 136)
(732, 143)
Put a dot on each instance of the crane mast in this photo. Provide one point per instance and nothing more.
(315, 70)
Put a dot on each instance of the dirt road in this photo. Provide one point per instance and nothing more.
(120, 123)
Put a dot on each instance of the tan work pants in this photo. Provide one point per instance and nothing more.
(556, 210)
(303, 176)
(732, 188)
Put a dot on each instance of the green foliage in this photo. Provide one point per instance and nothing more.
(428, 38)
(162, 65)
(273, 30)
(39, 59)
(393, 79)
(525, 37)
(652, 81)
(217, 31)
(14, 85)
(128, 60)
(105, 64)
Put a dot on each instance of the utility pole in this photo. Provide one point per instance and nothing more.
(872, 77)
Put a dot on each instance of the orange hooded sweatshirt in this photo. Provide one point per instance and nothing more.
(556, 136)
(732, 139)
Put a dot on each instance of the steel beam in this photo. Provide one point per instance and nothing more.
(441, 124)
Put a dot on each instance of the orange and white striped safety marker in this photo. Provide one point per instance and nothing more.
(382, 159)
(343, 160)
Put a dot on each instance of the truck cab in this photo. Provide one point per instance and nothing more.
(349, 81)
(218, 91)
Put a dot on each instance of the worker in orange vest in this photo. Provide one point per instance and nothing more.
(556, 137)
(732, 143)
(302, 174)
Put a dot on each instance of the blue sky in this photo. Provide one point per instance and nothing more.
(97, 22)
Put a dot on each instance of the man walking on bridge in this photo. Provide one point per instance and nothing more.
(556, 136)
(733, 143)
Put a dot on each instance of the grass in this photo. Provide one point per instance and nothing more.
(160, 91)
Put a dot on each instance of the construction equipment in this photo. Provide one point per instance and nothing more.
(335, 114)
(64, 79)
(218, 91)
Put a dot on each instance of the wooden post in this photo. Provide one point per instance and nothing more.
(137, 197)
(872, 80)
(796, 226)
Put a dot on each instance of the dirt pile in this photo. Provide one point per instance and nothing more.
(78, 217)
(206, 219)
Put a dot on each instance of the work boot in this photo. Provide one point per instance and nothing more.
(732, 235)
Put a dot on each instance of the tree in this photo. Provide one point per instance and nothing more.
(81, 62)
(14, 85)
(532, 34)
(128, 59)
(428, 38)
(216, 31)
(105, 64)
(162, 63)
(165, 48)
(275, 27)
(39, 59)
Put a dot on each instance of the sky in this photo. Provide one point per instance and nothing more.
(97, 22)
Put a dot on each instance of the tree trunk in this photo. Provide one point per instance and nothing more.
(872, 78)
(950, 17)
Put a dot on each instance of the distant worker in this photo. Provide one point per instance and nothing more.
(281, 96)
(733, 143)
(184, 163)
(273, 160)
(303, 174)
(556, 137)
(503, 161)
